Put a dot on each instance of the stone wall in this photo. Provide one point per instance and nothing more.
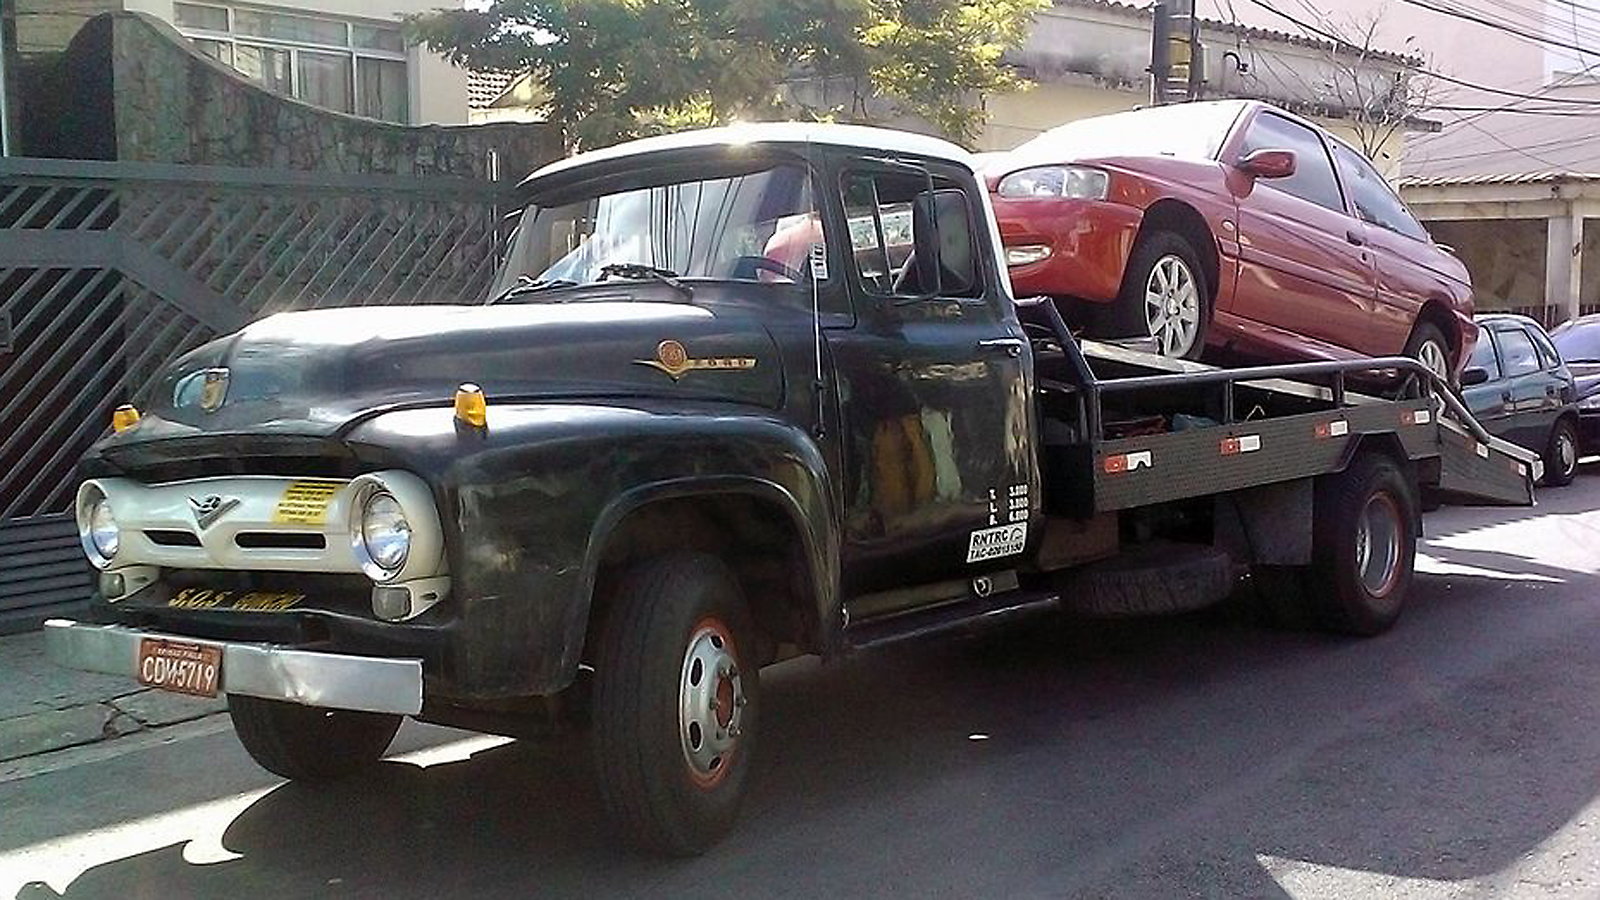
(170, 104)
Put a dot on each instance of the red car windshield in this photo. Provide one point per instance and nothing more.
(1194, 131)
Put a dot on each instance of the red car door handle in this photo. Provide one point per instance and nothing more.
(1353, 237)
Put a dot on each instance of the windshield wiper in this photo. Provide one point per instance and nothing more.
(526, 285)
(641, 272)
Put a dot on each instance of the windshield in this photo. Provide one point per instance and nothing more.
(754, 226)
(1578, 342)
(1193, 131)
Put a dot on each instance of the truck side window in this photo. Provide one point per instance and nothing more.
(885, 211)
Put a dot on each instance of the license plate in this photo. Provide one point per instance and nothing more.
(180, 666)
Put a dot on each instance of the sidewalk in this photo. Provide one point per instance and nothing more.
(44, 707)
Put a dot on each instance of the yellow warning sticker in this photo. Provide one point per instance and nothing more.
(305, 502)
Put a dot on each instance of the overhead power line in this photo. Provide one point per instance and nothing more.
(1500, 26)
(1347, 45)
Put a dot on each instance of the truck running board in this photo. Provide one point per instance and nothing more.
(880, 630)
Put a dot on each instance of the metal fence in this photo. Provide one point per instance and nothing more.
(110, 270)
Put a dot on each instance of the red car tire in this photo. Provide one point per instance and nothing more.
(1165, 295)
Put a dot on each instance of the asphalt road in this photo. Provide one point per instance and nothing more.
(1458, 756)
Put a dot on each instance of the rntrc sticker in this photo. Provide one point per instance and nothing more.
(1001, 540)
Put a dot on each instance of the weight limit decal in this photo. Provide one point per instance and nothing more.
(1001, 540)
(305, 502)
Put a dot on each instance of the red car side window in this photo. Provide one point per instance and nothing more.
(1313, 177)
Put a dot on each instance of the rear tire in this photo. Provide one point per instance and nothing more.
(1561, 454)
(676, 702)
(1364, 547)
(1428, 346)
(1165, 295)
(310, 743)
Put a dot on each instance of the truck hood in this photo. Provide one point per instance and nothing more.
(313, 373)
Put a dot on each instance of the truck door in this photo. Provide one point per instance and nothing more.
(934, 382)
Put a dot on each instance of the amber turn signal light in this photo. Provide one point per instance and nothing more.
(471, 408)
(124, 417)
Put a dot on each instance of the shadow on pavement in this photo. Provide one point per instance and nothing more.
(1055, 759)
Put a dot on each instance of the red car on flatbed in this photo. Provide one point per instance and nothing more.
(1229, 226)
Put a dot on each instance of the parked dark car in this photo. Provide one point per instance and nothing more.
(1579, 343)
(1518, 387)
(1230, 225)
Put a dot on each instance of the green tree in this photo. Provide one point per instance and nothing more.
(616, 69)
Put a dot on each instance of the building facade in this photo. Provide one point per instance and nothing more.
(348, 56)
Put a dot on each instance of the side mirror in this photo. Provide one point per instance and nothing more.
(941, 229)
(1473, 375)
(1266, 163)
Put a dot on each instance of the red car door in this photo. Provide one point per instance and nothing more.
(1400, 248)
(1304, 269)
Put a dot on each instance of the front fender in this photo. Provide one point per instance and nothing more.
(529, 502)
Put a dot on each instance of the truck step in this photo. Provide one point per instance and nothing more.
(881, 630)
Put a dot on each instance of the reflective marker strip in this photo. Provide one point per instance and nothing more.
(1483, 450)
(1416, 417)
(1336, 428)
(1244, 443)
(1118, 463)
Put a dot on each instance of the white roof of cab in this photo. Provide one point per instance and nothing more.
(885, 140)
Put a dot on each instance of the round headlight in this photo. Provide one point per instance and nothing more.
(385, 534)
(101, 536)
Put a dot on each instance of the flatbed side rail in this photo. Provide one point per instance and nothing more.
(1092, 389)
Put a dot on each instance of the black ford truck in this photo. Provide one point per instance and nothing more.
(738, 395)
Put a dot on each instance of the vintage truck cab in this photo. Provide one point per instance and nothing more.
(738, 394)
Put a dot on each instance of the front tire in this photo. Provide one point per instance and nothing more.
(1165, 295)
(310, 743)
(676, 701)
(1561, 454)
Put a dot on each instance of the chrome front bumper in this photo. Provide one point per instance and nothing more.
(331, 680)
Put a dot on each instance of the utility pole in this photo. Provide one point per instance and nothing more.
(1160, 51)
(1177, 60)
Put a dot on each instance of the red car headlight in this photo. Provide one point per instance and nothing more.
(1055, 183)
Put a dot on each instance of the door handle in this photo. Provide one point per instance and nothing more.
(1505, 396)
(1353, 237)
(1012, 346)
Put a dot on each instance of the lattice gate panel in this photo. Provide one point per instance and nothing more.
(108, 271)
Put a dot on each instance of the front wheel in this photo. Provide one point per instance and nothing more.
(676, 698)
(1561, 454)
(1164, 293)
(310, 743)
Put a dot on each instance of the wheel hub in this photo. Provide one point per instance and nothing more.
(1172, 306)
(1378, 544)
(711, 702)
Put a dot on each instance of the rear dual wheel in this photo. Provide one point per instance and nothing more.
(1364, 548)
